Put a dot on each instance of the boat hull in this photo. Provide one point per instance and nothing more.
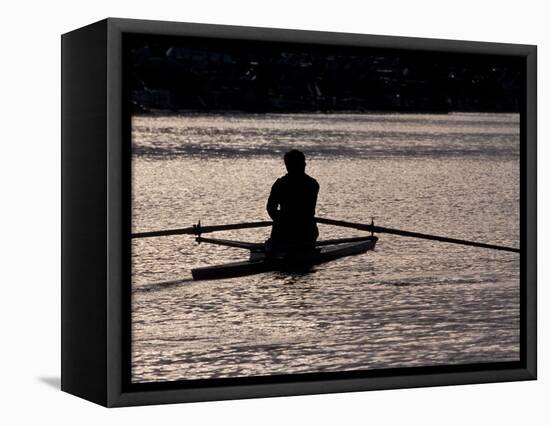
(258, 263)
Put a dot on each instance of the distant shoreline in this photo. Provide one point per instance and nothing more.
(167, 112)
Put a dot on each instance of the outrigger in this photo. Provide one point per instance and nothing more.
(294, 258)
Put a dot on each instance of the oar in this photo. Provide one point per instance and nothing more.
(198, 229)
(380, 229)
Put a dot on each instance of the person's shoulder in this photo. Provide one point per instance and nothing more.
(312, 181)
(280, 181)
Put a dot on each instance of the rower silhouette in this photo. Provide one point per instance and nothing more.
(291, 205)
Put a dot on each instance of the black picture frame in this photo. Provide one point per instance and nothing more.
(96, 224)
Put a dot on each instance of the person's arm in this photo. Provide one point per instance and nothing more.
(314, 197)
(273, 202)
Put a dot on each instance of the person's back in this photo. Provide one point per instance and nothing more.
(291, 204)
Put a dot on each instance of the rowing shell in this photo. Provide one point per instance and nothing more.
(258, 263)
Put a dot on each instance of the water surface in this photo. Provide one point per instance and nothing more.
(409, 303)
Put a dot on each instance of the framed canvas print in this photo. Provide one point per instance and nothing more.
(251, 212)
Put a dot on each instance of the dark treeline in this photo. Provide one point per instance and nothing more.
(190, 74)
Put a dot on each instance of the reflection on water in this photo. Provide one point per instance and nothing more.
(410, 303)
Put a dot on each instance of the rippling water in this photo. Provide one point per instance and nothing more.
(409, 303)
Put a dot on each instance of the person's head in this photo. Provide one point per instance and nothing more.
(295, 162)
